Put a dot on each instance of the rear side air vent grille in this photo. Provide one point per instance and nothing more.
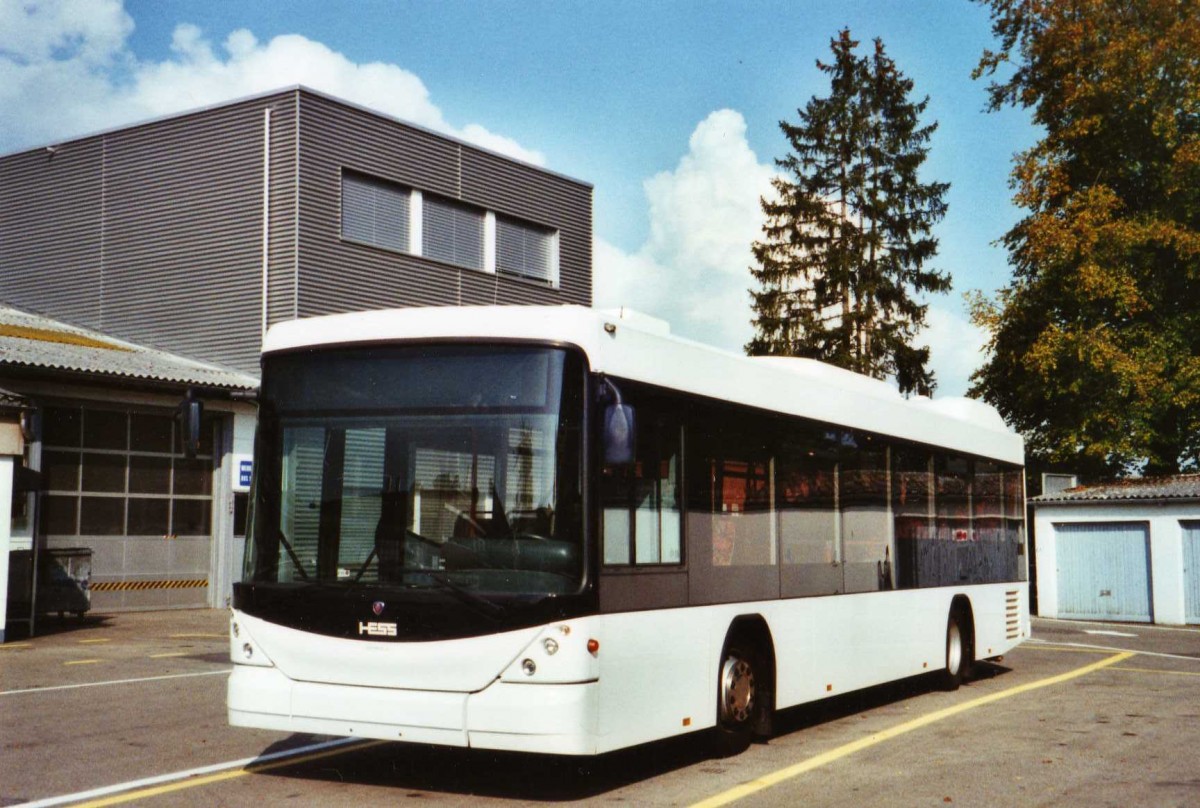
(1012, 614)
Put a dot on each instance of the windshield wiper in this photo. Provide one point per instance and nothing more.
(484, 606)
(292, 555)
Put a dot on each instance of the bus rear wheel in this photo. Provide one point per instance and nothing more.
(958, 652)
(739, 699)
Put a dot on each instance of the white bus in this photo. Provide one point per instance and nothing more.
(561, 530)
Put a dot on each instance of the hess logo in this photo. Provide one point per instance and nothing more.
(374, 629)
(377, 629)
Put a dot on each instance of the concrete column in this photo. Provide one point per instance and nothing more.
(6, 492)
(1047, 561)
(1166, 566)
(12, 445)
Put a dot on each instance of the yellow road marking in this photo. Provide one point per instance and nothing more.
(1035, 647)
(14, 646)
(222, 776)
(1152, 670)
(787, 773)
(82, 662)
(199, 636)
(92, 642)
(172, 654)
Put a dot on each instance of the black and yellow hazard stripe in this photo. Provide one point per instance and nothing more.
(140, 586)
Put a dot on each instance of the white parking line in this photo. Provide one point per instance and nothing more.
(1108, 633)
(1140, 626)
(185, 775)
(1109, 648)
(112, 682)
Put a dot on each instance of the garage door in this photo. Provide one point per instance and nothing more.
(1191, 571)
(1104, 571)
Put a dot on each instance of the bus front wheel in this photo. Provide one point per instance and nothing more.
(739, 699)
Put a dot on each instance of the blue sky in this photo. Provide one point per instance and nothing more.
(669, 109)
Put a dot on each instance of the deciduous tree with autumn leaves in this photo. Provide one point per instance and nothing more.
(1094, 351)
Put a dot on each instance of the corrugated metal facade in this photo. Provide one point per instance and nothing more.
(182, 235)
(155, 233)
(150, 233)
(50, 230)
(285, 205)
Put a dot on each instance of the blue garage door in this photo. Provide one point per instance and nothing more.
(1191, 571)
(1104, 571)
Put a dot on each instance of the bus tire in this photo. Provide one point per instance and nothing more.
(740, 697)
(958, 651)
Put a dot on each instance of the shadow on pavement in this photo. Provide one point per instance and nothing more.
(413, 768)
(49, 625)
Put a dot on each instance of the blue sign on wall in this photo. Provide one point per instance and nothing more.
(243, 469)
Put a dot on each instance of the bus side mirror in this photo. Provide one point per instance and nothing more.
(620, 434)
(188, 418)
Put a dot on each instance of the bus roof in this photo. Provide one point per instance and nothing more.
(629, 345)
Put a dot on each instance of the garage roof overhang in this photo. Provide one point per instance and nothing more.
(1176, 489)
(33, 344)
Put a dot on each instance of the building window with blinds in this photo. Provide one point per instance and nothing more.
(452, 232)
(375, 212)
(525, 250)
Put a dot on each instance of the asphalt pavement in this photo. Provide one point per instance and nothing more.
(126, 708)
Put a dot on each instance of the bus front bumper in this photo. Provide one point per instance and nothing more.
(547, 718)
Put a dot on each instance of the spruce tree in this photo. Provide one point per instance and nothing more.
(846, 242)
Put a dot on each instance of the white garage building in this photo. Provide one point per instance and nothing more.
(1124, 551)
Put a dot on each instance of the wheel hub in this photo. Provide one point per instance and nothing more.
(737, 691)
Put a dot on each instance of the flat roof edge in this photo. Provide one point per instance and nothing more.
(298, 89)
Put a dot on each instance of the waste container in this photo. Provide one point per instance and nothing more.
(65, 580)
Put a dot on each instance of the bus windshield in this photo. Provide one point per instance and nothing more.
(408, 468)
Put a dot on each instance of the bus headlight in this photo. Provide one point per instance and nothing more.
(550, 645)
(243, 647)
(529, 667)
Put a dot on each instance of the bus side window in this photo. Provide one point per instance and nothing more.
(955, 560)
(913, 514)
(866, 525)
(741, 528)
(730, 493)
(806, 471)
(640, 500)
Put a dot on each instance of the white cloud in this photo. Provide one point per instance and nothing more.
(67, 69)
(693, 269)
(91, 31)
(956, 346)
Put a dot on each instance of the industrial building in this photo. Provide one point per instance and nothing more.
(145, 262)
